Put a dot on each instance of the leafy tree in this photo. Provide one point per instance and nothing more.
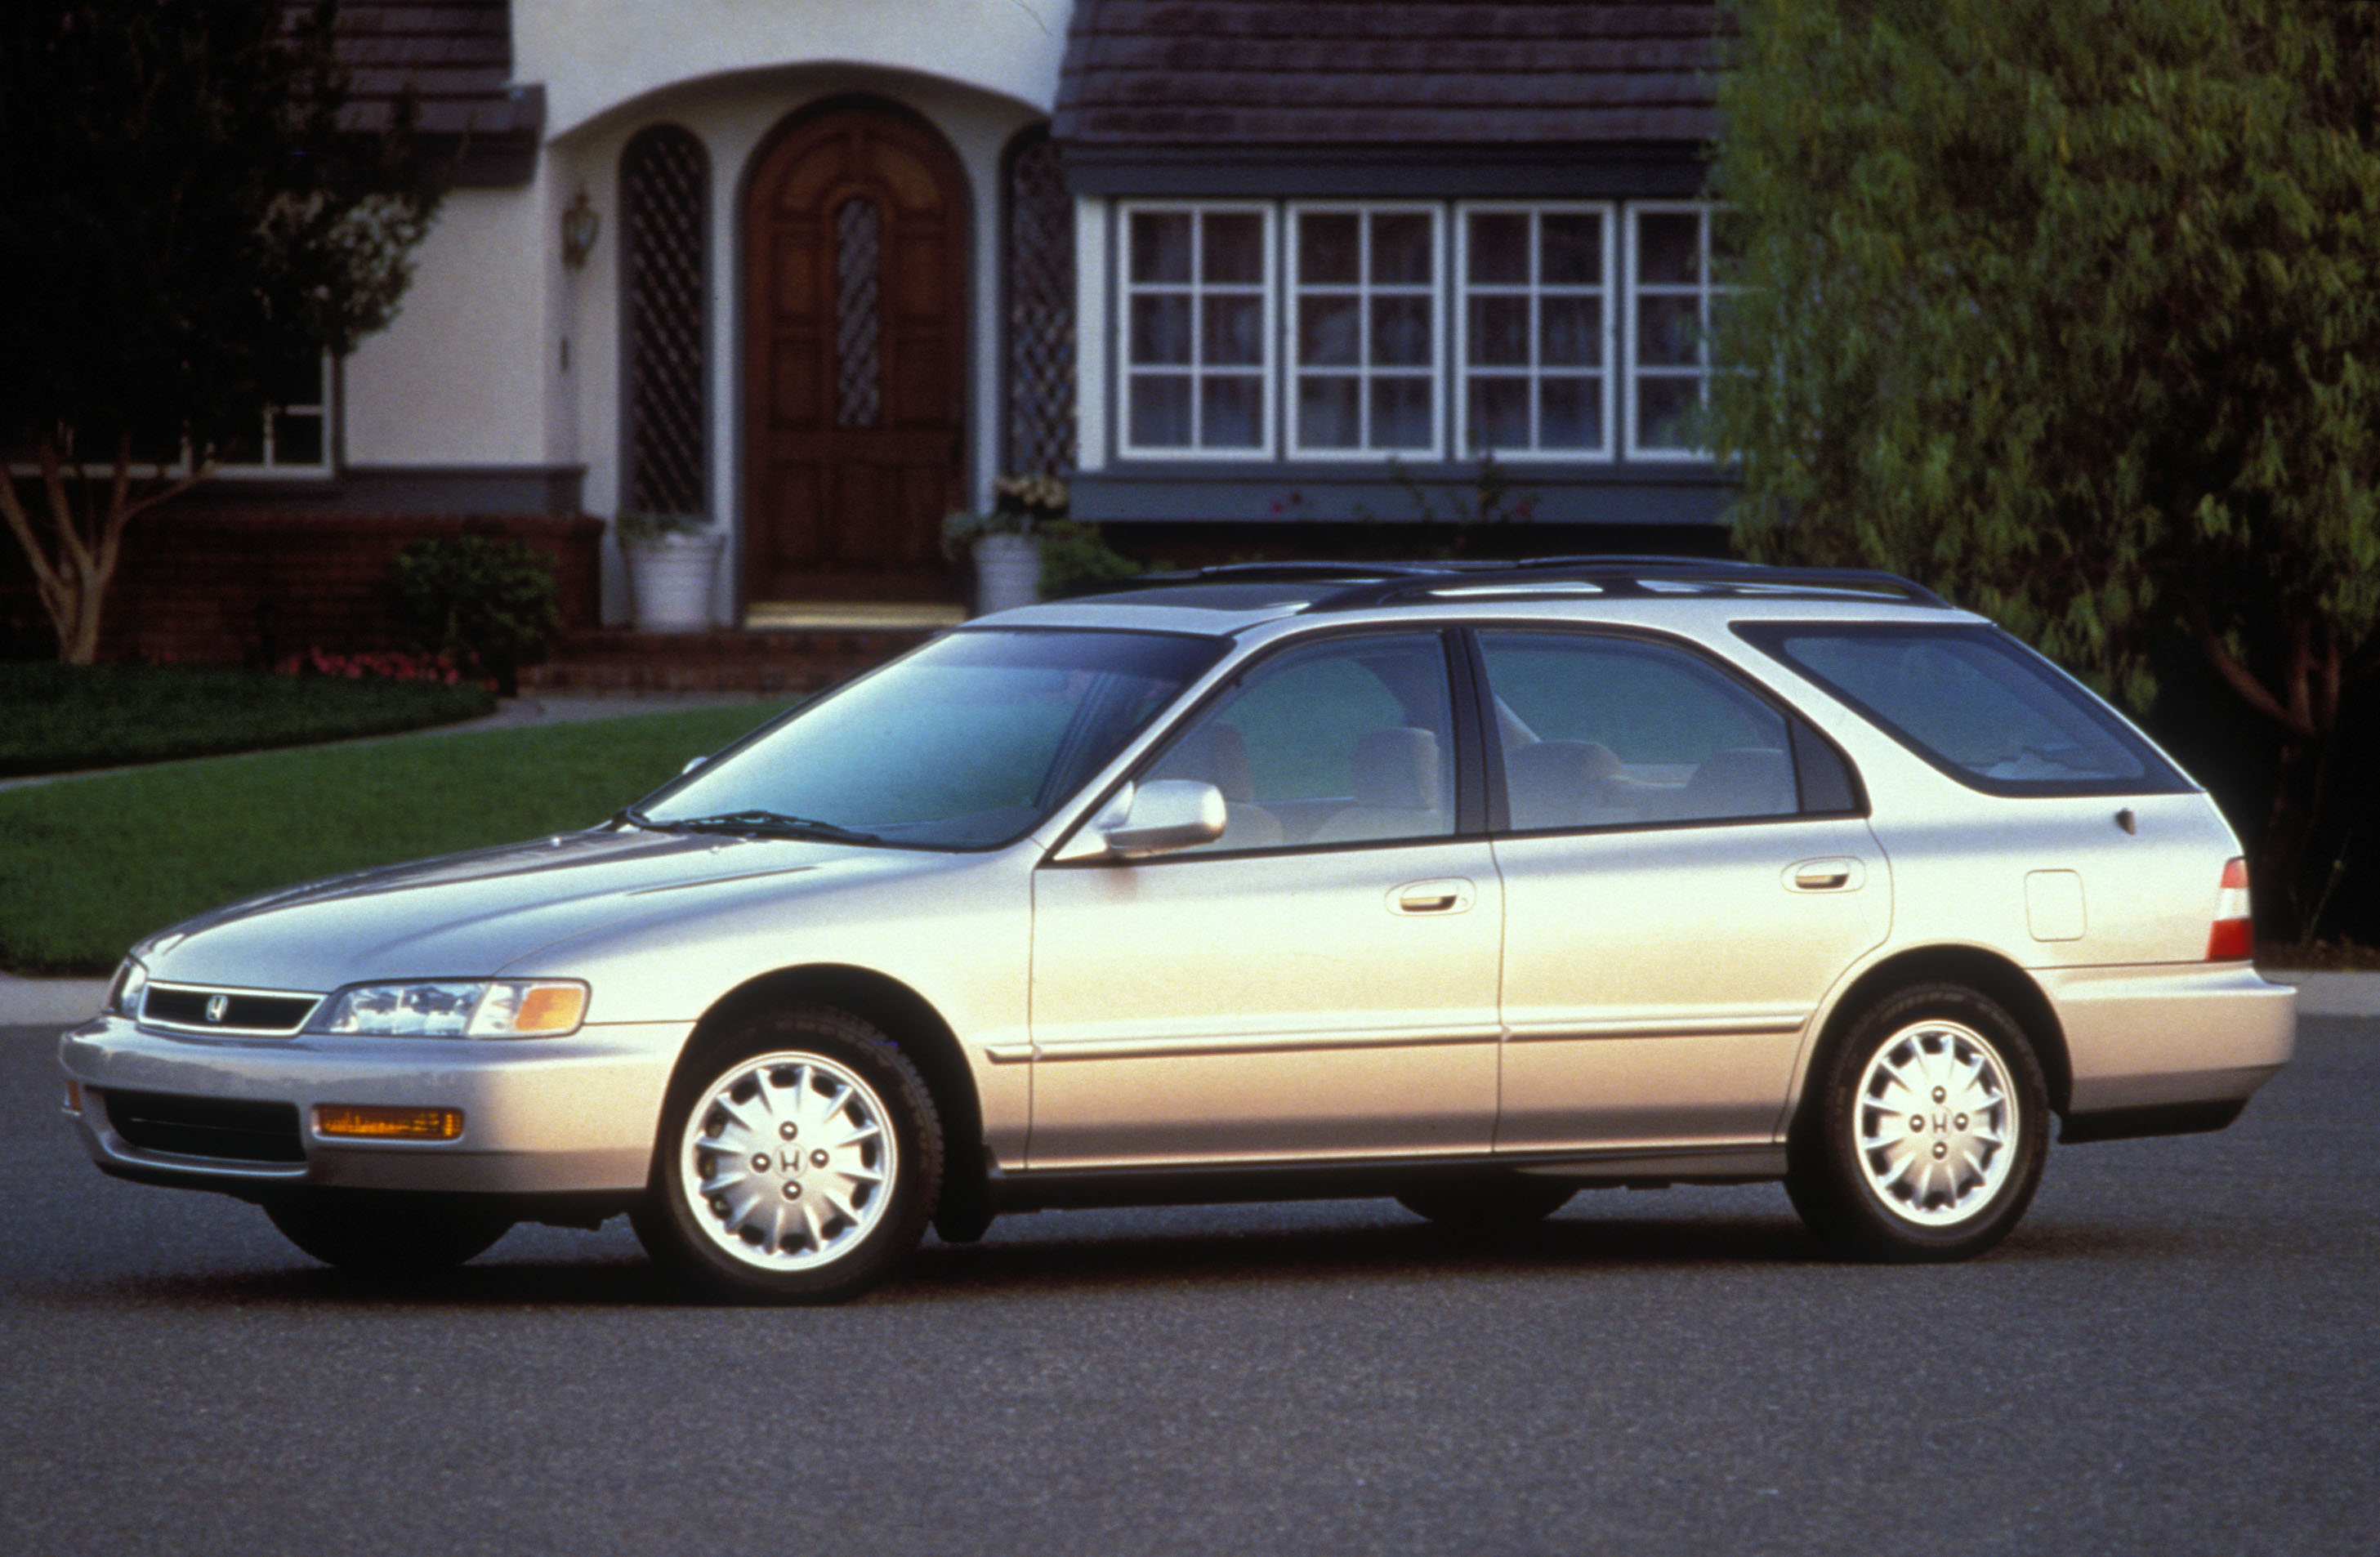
(180, 220)
(2070, 309)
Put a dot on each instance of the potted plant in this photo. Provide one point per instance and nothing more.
(672, 560)
(1006, 543)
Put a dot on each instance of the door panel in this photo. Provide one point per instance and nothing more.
(855, 223)
(1192, 1009)
(1656, 984)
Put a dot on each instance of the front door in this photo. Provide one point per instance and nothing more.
(855, 238)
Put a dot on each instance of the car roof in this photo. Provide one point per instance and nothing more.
(1231, 599)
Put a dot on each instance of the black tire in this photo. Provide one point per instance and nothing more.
(1503, 1204)
(1954, 1178)
(836, 1162)
(390, 1238)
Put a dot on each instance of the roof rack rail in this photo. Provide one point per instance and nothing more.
(1282, 572)
(1632, 576)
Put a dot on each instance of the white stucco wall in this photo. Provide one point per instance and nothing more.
(594, 55)
(460, 377)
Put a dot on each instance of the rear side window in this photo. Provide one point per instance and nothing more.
(1977, 704)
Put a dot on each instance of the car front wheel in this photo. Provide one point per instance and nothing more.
(1927, 1136)
(800, 1156)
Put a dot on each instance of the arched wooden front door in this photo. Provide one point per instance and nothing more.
(856, 283)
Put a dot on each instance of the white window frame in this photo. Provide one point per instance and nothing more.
(1462, 289)
(1364, 289)
(1266, 371)
(1704, 289)
(267, 470)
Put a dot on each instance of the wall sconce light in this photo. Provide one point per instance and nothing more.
(579, 227)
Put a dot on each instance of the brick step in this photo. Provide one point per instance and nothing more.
(767, 660)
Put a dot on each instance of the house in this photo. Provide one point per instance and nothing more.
(1254, 274)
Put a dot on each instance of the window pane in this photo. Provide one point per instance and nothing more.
(1327, 244)
(1668, 247)
(1569, 413)
(1573, 253)
(1400, 332)
(1666, 412)
(1329, 330)
(1327, 411)
(1499, 334)
(1160, 246)
(297, 440)
(1234, 249)
(1607, 734)
(297, 384)
(1499, 248)
(1232, 412)
(1571, 331)
(1161, 330)
(1400, 249)
(1234, 334)
(1498, 416)
(1161, 410)
(1401, 412)
(1669, 331)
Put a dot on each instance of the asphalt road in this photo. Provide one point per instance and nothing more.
(2175, 1354)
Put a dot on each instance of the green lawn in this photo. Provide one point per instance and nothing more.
(56, 719)
(89, 865)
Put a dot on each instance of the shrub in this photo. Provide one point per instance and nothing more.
(489, 603)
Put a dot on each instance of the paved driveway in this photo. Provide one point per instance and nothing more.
(2175, 1354)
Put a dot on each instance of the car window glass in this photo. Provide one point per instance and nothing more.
(1349, 741)
(968, 741)
(1600, 732)
(1976, 704)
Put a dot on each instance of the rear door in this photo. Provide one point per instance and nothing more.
(1686, 872)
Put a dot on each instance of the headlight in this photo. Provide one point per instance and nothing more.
(457, 1008)
(123, 995)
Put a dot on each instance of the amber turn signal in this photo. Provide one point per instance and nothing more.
(361, 1122)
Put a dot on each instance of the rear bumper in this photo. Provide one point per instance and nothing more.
(541, 1117)
(2158, 1042)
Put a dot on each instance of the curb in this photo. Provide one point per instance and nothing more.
(63, 1003)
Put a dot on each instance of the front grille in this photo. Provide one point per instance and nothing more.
(239, 1012)
(230, 1129)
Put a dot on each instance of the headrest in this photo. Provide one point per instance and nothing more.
(1396, 769)
(1218, 754)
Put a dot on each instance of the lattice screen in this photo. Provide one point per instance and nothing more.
(1040, 312)
(666, 182)
(859, 329)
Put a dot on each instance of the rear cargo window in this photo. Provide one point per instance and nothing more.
(1977, 704)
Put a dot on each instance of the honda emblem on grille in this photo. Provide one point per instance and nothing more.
(216, 1006)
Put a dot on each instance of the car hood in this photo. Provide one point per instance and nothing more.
(472, 915)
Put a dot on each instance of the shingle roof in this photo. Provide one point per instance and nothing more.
(1280, 72)
(454, 58)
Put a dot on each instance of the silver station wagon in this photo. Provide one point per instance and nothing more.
(1472, 885)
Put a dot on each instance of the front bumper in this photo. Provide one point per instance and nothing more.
(540, 1116)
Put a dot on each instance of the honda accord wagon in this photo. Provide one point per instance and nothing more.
(1474, 886)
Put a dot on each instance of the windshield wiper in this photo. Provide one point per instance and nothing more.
(756, 825)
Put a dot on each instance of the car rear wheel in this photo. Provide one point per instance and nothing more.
(1925, 1137)
(388, 1238)
(799, 1159)
(1496, 1205)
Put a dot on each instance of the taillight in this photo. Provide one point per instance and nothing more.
(2233, 939)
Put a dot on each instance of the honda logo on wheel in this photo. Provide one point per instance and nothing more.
(216, 1006)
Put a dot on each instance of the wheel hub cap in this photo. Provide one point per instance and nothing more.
(1938, 1124)
(788, 1163)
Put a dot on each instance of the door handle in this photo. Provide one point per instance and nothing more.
(1824, 875)
(1449, 896)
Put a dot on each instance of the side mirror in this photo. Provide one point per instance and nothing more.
(1161, 816)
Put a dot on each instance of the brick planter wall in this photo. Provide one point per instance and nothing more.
(214, 586)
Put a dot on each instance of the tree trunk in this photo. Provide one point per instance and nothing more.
(74, 553)
(2305, 708)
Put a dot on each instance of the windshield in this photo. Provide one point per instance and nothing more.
(967, 743)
